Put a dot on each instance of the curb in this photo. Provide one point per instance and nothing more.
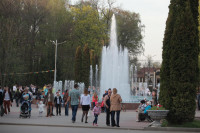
(172, 129)
(72, 126)
(101, 127)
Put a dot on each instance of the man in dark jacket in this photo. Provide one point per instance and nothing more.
(1, 96)
(58, 101)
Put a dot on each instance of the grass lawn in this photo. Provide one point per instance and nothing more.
(194, 124)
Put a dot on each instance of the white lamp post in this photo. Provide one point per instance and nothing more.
(56, 44)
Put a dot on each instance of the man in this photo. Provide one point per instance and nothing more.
(107, 105)
(74, 97)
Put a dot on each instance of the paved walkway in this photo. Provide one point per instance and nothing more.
(127, 119)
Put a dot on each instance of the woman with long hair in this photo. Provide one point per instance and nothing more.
(86, 103)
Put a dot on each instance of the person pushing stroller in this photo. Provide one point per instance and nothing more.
(25, 109)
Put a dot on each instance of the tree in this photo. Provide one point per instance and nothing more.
(183, 64)
(78, 65)
(165, 90)
(129, 31)
(86, 65)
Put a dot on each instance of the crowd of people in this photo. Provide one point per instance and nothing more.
(111, 103)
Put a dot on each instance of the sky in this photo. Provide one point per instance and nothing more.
(153, 14)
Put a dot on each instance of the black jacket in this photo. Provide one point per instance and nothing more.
(1, 97)
(10, 94)
(55, 100)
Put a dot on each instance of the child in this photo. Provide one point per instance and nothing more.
(96, 111)
(40, 108)
(58, 101)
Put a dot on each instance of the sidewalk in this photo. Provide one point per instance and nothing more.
(127, 120)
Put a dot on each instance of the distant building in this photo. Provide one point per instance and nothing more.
(151, 76)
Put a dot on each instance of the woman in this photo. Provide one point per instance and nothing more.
(7, 99)
(66, 95)
(26, 96)
(49, 99)
(85, 102)
(94, 99)
(115, 106)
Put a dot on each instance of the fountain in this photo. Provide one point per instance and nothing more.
(115, 67)
(91, 76)
(115, 72)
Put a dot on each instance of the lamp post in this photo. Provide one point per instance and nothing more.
(56, 44)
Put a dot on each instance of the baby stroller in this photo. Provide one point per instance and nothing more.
(25, 109)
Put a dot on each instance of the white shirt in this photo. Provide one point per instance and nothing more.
(14, 88)
(85, 100)
(58, 100)
(41, 107)
(7, 96)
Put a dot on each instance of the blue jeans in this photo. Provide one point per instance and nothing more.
(113, 118)
(74, 111)
(67, 109)
(95, 119)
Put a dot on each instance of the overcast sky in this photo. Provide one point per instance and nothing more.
(153, 15)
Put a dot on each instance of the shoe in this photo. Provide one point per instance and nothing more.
(137, 120)
(60, 114)
(96, 125)
(82, 120)
(117, 126)
(86, 122)
(108, 124)
(73, 121)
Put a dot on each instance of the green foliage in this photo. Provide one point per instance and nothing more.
(192, 124)
(157, 108)
(179, 71)
(86, 65)
(27, 26)
(164, 123)
(129, 31)
(78, 65)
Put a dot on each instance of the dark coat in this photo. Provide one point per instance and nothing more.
(55, 100)
(1, 97)
(10, 94)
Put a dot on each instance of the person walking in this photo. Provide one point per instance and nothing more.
(94, 99)
(86, 104)
(1, 102)
(17, 96)
(115, 107)
(74, 97)
(107, 105)
(49, 100)
(58, 101)
(96, 111)
(7, 99)
(65, 97)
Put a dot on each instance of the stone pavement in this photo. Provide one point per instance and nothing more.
(127, 119)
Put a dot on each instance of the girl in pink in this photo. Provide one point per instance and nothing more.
(94, 99)
(96, 111)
